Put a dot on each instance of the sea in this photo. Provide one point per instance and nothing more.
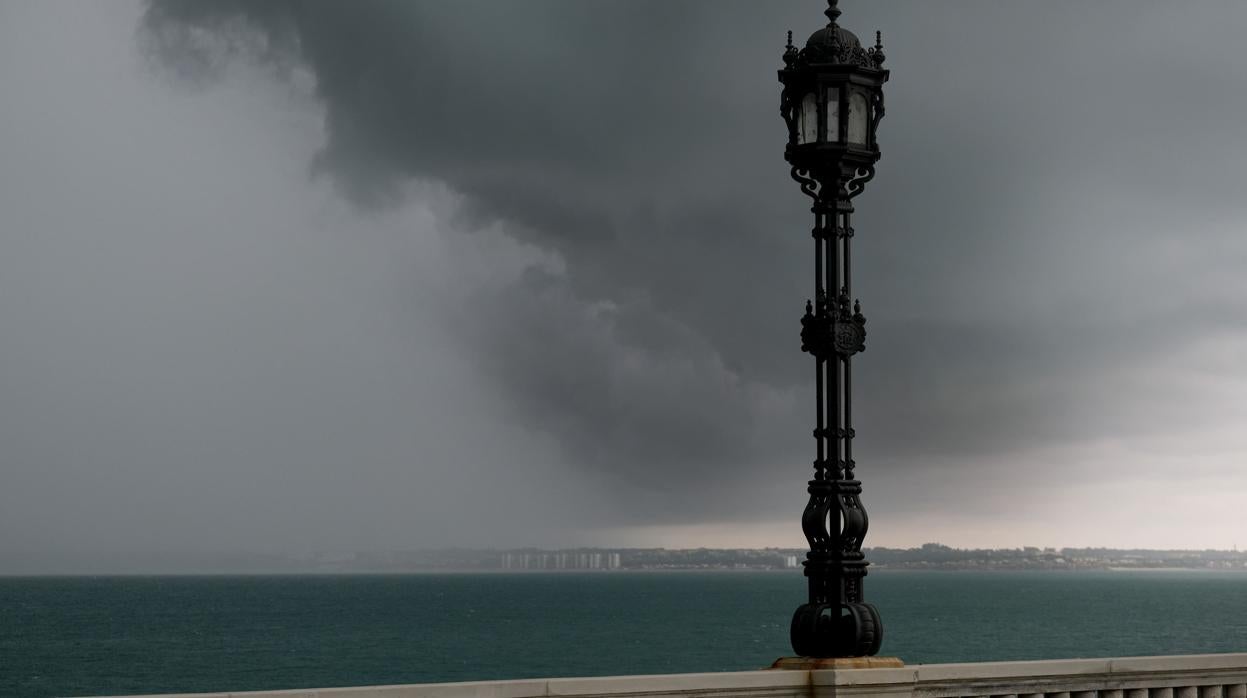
(92, 636)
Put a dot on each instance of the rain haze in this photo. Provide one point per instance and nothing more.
(286, 277)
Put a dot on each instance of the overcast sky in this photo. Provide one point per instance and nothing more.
(302, 276)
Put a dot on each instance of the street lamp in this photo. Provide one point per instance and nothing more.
(832, 102)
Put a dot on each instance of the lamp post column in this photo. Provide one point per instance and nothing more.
(836, 621)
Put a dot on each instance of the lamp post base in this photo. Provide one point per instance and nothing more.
(815, 663)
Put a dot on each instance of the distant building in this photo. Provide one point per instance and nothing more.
(561, 560)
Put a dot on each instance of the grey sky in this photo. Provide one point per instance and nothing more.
(294, 276)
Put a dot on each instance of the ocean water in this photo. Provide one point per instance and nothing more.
(82, 636)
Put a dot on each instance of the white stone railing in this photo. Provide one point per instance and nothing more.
(1194, 676)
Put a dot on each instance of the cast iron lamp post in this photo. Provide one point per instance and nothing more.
(832, 102)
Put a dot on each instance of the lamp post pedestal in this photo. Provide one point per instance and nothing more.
(817, 664)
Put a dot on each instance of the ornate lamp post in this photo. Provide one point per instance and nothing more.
(832, 102)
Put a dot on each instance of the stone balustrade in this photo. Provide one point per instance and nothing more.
(1193, 676)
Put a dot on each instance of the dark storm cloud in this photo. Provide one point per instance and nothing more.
(595, 131)
(1048, 169)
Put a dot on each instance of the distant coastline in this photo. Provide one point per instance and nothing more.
(932, 556)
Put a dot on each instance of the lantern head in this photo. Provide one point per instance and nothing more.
(832, 102)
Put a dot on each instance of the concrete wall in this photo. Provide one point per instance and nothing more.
(1194, 676)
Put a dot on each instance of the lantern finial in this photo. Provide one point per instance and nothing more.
(876, 53)
(832, 12)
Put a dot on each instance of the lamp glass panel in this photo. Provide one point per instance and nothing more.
(859, 118)
(833, 113)
(808, 133)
